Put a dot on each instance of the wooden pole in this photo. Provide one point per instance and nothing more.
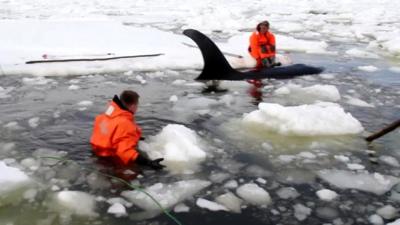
(384, 131)
(91, 59)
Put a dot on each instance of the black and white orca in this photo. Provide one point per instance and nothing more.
(216, 67)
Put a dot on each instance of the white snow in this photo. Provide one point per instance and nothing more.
(167, 195)
(179, 146)
(253, 194)
(326, 194)
(374, 183)
(75, 202)
(304, 120)
(210, 205)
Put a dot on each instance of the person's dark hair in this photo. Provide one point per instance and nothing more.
(266, 23)
(129, 97)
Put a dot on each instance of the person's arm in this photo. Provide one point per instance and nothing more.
(272, 43)
(254, 47)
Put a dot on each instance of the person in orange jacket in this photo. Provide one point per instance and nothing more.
(116, 134)
(262, 46)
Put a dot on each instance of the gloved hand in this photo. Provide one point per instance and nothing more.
(266, 63)
(155, 164)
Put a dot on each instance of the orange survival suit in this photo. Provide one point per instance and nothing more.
(116, 134)
(262, 46)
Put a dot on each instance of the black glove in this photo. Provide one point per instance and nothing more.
(154, 164)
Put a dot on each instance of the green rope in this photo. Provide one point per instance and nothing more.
(135, 187)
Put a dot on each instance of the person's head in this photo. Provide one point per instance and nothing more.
(130, 99)
(263, 27)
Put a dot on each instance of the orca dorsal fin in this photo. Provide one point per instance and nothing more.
(215, 64)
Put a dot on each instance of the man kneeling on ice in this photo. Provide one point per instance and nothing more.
(116, 134)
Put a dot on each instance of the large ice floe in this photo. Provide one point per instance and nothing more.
(167, 195)
(74, 202)
(13, 182)
(375, 183)
(322, 118)
(179, 146)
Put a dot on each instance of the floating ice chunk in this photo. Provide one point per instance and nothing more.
(75, 202)
(173, 98)
(286, 158)
(122, 201)
(307, 155)
(13, 125)
(212, 206)
(388, 212)
(228, 100)
(218, 177)
(261, 180)
(287, 193)
(368, 68)
(85, 103)
(361, 53)
(253, 194)
(390, 160)
(342, 158)
(230, 201)
(167, 195)
(326, 194)
(141, 79)
(375, 183)
(301, 212)
(355, 166)
(376, 219)
(30, 163)
(13, 183)
(179, 146)
(327, 213)
(326, 119)
(30, 194)
(73, 87)
(181, 207)
(294, 44)
(327, 76)
(179, 82)
(313, 93)
(232, 184)
(36, 80)
(396, 222)
(117, 209)
(34, 122)
(358, 102)
(4, 92)
(395, 69)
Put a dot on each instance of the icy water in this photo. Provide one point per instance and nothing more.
(43, 117)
